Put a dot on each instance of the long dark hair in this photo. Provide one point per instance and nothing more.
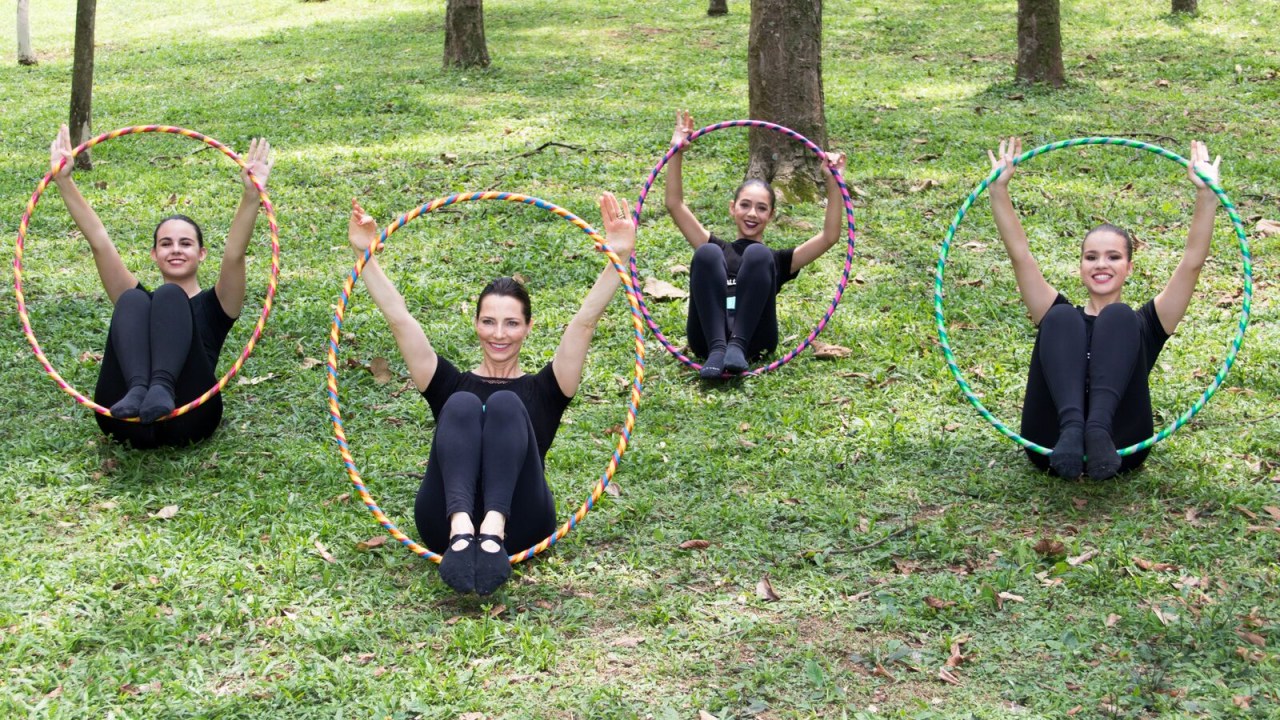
(155, 234)
(507, 287)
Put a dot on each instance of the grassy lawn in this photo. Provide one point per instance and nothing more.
(896, 527)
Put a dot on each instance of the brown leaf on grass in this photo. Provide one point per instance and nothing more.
(1111, 620)
(662, 290)
(1080, 503)
(1152, 566)
(497, 610)
(1082, 558)
(381, 370)
(1164, 616)
(242, 380)
(165, 513)
(323, 552)
(695, 545)
(938, 603)
(1241, 701)
(1073, 711)
(365, 658)
(879, 670)
(54, 693)
(951, 427)
(613, 489)
(626, 642)
(308, 363)
(1162, 83)
(764, 590)
(827, 351)
(337, 499)
(1273, 511)
(704, 715)
(1005, 595)
(1049, 547)
(371, 543)
(1247, 512)
(1267, 228)
(923, 185)
(956, 657)
(1252, 638)
(947, 676)
(678, 269)
(88, 356)
(520, 278)
(1255, 656)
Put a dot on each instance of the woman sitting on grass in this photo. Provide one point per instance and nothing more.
(494, 424)
(1087, 390)
(163, 346)
(733, 286)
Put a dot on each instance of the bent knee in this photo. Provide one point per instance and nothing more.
(169, 293)
(504, 403)
(461, 405)
(708, 253)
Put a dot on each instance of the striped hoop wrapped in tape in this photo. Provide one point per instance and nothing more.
(335, 336)
(1234, 348)
(848, 257)
(20, 246)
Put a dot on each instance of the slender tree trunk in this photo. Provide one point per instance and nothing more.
(464, 34)
(82, 79)
(784, 76)
(1185, 6)
(25, 55)
(718, 7)
(1040, 43)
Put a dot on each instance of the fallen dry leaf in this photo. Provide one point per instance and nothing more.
(1011, 597)
(956, 657)
(826, 351)
(497, 610)
(938, 603)
(1080, 503)
(371, 543)
(947, 676)
(242, 380)
(613, 489)
(1245, 653)
(1267, 228)
(1072, 712)
(1152, 566)
(381, 370)
(924, 185)
(704, 715)
(1252, 638)
(627, 642)
(1049, 547)
(308, 363)
(166, 512)
(1111, 620)
(695, 545)
(1273, 511)
(88, 356)
(1162, 83)
(323, 552)
(764, 590)
(1241, 701)
(1084, 557)
(1247, 512)
(365, 658)
(678, 269)
(662, 290)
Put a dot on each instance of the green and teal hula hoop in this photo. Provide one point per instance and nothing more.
(1246, 303)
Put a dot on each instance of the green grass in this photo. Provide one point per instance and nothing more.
(227, 609)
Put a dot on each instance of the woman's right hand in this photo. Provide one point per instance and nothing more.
(362, 230)
(59, 149)
(1003, 158)
(684, 127)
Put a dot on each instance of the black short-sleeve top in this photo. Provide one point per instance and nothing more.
(210, 321)
(1152, 332)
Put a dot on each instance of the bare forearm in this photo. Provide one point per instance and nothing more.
(1200, 236)
(833, 221)
(1008, 224)
(242, 225)
(597, 300)
(85, 218)
(673, 190)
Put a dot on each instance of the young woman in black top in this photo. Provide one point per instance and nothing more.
(494, 424)
(733, 286)
(162, 346)
(1087, 390)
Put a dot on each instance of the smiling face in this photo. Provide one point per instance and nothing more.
(752, 210)
(1105, 262)
(501, 327)
(177, 250)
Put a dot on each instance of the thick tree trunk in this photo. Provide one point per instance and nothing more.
(82, 79)
(25, 55)
(1186, 6)
(784, 75)
(464, 34)
(718, 7)
(1040, 43)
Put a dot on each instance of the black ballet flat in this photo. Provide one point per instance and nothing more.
(458, 567)
(492, 568)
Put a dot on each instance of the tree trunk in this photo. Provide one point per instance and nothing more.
(82, 79)
(1185, 6)
(784, 73)
(464, 34)
(1040, 43)
(718, 7)
(25, 56)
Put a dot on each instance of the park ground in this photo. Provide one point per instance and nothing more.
(921, 568)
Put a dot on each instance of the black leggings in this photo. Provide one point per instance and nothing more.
(754, 320)
(485, 457)
(1092, 384)
(153, 338)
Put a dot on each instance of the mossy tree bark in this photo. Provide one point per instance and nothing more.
(718, 7)
(82, 79)
(1040, 43)
(464, 44)
(1189, 7)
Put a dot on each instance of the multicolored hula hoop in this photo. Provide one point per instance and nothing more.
(335, 335)
(267, 207)
(848, 257)
(1247, 262)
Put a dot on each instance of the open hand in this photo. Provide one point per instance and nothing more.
(61, 148)
(362, 231)
(1003, 159)
(835, 161)
(619, 230)
(258, 160)
(1200, 163)
(684, 127)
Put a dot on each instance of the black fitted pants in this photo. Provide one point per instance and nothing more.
(1098, 384)
(485, 457)
(754, 321)
(155, 337)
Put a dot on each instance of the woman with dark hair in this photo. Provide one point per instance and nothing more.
(1087, 387)
(494, 424)
(732, 286)
(163, 346)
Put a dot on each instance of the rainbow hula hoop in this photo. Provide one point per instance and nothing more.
(1247, 262)
(848, 257)
(335, 334)
(267, 207)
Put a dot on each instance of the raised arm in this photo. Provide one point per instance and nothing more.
(231, 275)
(1172, 302)
(1037, 294)
(115, 277)
(571, 355)
(416, 350)
(832, 223)
(673, 193)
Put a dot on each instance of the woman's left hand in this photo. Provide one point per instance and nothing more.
(1200, 163)
(619, 230)
(258, 160)
(835, 160)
